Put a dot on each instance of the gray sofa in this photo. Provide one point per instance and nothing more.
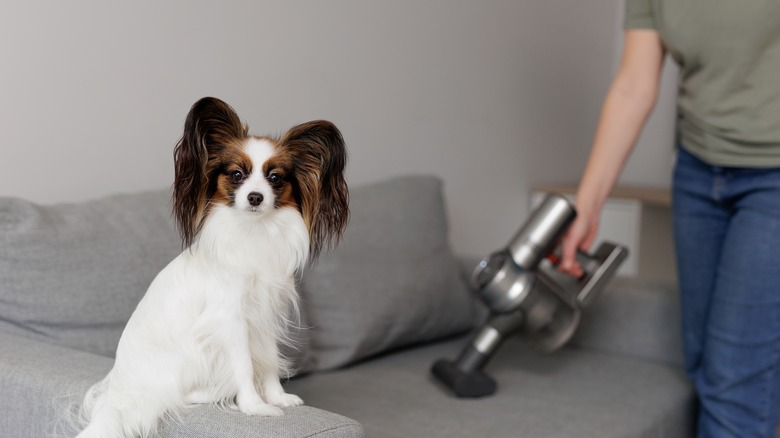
(377, 312)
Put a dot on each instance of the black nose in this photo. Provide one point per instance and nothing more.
(255, 199)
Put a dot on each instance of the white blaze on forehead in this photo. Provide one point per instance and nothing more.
(259, 151)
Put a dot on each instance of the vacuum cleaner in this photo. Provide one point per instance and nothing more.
(527, 295)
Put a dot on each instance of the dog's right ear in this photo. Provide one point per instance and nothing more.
(210, 125)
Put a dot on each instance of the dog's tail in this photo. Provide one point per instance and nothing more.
(109, 411)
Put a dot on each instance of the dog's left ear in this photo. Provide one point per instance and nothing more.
(320, 156)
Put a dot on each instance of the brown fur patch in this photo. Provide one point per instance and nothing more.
(220, 169)
(281, 166)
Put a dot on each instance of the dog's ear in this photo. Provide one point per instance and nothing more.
(320, 156)
(210, 125)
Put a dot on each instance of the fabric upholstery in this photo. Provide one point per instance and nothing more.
(72, 274)
(570, 393)
(393, 280)
(298, 422)
(636, 318)
(42, 386)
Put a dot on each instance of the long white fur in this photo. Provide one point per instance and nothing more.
(208, 328)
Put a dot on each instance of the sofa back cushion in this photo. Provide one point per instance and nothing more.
(72, 274)
(392, 281)
(635, 317)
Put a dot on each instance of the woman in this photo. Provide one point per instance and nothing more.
(726, 192)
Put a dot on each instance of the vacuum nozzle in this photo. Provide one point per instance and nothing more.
(464, 384)
(464, 376)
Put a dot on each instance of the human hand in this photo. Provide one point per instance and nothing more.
(580, 236)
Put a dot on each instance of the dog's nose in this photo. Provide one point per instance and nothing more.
(255, 198)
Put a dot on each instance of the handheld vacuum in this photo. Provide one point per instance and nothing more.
(526, 294)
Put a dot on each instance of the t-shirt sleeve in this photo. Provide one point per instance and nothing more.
(639, 15)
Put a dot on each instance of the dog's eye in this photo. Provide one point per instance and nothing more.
(237, 176)
(275, 179)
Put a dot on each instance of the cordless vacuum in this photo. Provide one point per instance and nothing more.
(526, 294)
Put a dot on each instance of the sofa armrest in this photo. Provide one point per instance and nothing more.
(42, 385)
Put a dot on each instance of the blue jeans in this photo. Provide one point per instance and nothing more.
(727, 232)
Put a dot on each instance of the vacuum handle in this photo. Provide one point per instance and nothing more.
(599, 269)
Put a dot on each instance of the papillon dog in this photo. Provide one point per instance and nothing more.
(251, 211)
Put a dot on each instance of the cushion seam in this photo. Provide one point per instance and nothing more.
(334, 428)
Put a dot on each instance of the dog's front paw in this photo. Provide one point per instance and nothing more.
(261, 409)
(284, 400)
(254, 405)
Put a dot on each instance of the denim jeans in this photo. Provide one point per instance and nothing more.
(727, 232)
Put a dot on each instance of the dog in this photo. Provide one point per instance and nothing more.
(252, 212)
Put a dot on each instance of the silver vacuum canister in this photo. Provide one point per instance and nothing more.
(505, 278)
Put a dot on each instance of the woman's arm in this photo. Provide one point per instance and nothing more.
(628, 103)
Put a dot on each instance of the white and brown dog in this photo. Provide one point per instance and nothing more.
(251, 212)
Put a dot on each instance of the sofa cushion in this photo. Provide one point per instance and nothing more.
(297, 422)
(393, 279)
(42, 387)
(72, 274)
(570, 393)
(634, 317)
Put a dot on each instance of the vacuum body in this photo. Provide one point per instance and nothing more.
(527, 295)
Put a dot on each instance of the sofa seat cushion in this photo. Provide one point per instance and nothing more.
(570, 393)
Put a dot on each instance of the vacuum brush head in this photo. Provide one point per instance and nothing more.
(471, 384)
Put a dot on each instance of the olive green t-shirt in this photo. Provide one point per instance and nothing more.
(729, 91)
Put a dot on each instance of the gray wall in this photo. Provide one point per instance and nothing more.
(495, 96)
